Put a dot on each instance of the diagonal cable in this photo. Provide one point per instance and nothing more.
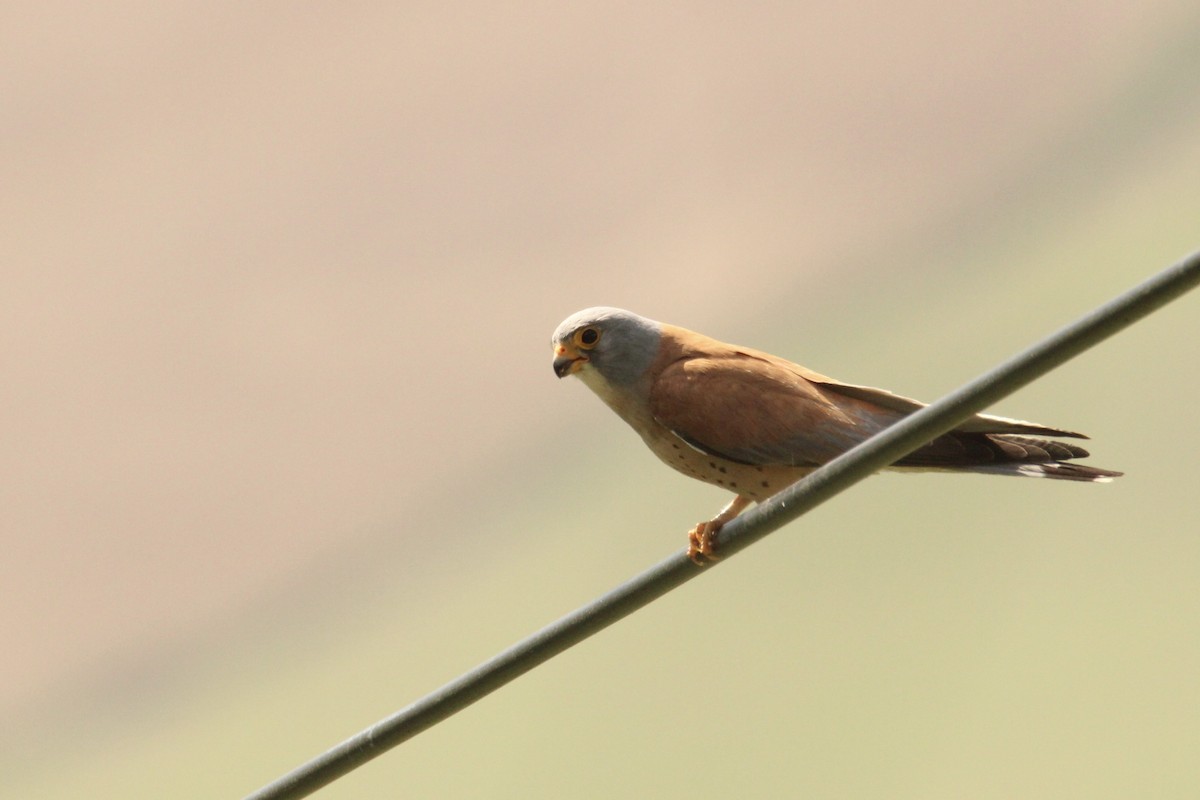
(843, 472)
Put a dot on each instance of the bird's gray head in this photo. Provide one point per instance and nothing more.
(619, 345)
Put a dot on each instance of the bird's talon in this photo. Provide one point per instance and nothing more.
(702, 543)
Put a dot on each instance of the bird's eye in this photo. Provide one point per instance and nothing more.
(586, 338)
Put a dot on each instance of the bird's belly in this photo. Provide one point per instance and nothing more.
(756, 482)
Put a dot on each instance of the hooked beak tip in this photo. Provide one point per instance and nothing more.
(566, 365)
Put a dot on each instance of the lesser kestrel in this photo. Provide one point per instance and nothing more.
(754, 423)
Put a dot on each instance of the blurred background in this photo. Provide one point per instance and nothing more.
(283, 451)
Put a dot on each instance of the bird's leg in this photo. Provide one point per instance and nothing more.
(702, 539)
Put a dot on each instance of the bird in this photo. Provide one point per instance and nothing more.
(754, 423)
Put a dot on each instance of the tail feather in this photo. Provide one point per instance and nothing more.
(1055, 471)
(1003, 454)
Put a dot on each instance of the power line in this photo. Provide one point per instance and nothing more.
(836, 476)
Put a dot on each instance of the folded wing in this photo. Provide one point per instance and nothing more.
(754, 408)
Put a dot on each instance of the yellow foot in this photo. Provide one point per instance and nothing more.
(702, 542)
(702, 539)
